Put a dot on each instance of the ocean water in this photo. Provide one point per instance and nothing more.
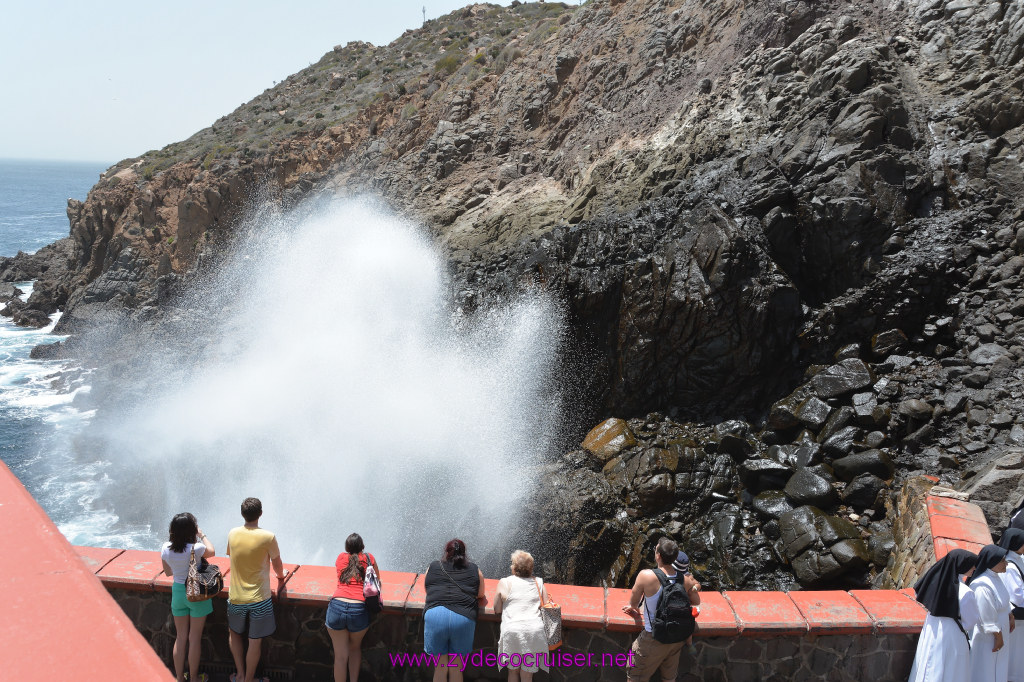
(33, 200)
(38, 423)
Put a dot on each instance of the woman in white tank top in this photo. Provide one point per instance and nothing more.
(522, 645)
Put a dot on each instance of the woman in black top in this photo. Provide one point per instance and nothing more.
(455, 589)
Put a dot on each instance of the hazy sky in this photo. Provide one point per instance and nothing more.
(110, 80)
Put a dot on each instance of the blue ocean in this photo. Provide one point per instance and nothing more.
(38, 422)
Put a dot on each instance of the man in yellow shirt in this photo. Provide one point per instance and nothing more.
(253, 550)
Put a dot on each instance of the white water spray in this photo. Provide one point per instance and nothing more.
(345, 393)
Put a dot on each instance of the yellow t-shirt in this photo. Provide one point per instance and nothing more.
(251, 550)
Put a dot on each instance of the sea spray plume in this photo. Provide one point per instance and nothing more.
(335, 383)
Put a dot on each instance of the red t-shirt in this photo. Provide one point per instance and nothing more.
(353, 589)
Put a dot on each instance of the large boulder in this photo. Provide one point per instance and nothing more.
(862, 491)
(771, 504)
(796, 454)
(988, 353)
(808, 488)
(30, 317)
(823, 550)
(733, 438)
(874, 462)
(763, 474)
(9, 292)
(844, 377)
(608, 439)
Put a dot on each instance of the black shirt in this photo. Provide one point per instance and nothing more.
(456, 593)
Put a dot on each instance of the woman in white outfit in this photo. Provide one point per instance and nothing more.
(1013, 581)
(989, 658)
(522, 640)
(943, 649)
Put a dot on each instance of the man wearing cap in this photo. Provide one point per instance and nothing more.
(648, 654)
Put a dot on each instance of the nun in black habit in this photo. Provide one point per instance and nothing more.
(943, 650)
(990, 659)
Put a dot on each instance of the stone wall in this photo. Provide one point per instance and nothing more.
(913, 535)
(301, 650)
(742, 636)
(928, 521)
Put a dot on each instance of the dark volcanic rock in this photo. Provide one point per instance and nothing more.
(887, 342)
(842, 442)
(796, 455)
(53, 261)
(999, 486)
(862, 491)
(806, 487)
(822, 548)
(771, 504)
(733, 438)
(845, 377)
(870, 461)
(763, 474)
(29, 317)
(9, 292)
(813, 412)
(915, 408)
(12, 307)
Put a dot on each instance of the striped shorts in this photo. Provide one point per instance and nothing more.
(260, 616)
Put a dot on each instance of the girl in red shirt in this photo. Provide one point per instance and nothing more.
(347, 617)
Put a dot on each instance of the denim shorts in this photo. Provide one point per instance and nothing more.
(346, 615)
(447, 632)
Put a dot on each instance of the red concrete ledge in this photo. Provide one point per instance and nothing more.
(832, 612)
(766, 613)
(583, 607)
(59, 622)
(891, 611)
(752, 614)
(956, 524)
(717, 618)
(749, 613)
(96, 558)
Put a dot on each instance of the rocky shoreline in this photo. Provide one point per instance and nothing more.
(789, 239)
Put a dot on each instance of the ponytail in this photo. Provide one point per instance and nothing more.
(353, 545)
(455, 552)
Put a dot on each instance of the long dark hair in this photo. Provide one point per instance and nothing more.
(455, 552)
(183, 531)
(353, 545)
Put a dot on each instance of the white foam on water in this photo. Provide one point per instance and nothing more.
(45, 424)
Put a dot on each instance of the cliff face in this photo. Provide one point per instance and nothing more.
(723, 193)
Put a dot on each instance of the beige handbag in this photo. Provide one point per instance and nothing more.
(551, 616)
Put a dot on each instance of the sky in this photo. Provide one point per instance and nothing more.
(110, 80)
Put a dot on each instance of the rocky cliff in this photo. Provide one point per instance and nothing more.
(787, 233)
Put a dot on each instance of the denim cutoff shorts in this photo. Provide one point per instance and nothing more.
(346, 615)
(447, 632)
